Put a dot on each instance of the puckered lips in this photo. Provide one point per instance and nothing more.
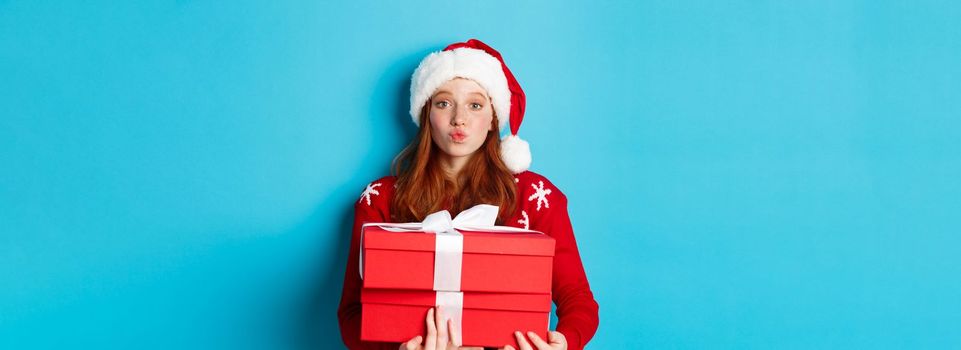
(458, 136)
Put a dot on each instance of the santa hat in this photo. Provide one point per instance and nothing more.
(476, 61)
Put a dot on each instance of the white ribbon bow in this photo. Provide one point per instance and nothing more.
(479, 216)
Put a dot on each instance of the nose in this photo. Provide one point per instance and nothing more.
(458, 117)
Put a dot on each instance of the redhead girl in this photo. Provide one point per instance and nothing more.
(461, 99)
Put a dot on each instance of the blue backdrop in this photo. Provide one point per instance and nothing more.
(753, 174)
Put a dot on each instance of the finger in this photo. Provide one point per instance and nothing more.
(538, 342)
(556, 338)
(522, 342)
(507, 347)
(431, 341)
(454, 335)
(413, 343)
(442, 336)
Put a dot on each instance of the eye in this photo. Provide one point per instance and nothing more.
(476, 106)
(442, 104)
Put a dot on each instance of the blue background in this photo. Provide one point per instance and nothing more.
(754, 174)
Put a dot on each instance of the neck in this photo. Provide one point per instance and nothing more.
(453, 165)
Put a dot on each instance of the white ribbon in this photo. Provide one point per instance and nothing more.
(452, 308)
(449, 243)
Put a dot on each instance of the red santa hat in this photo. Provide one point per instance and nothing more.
(476, 61)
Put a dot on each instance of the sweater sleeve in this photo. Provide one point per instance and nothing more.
(349, 311)
(576, 307)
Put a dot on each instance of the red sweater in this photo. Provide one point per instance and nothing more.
(541, 207)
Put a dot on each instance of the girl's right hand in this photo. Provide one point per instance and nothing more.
(438, 338)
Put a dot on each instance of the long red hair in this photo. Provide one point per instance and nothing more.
(423, 187)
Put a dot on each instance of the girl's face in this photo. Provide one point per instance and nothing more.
(461, 115)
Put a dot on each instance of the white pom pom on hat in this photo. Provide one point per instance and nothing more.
(475, 60)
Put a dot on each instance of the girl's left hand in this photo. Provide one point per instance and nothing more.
(555, 341)
(440, 336)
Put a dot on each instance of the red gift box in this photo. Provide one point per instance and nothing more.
(509, 262)
(489, 319)
(504, 284)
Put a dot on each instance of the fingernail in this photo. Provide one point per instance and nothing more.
(517, 333)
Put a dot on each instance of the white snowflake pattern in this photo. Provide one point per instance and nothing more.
(526, 221)
(541, 194)
(368, 192)
(516, 180)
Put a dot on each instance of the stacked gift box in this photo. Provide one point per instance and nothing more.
(491, 281)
